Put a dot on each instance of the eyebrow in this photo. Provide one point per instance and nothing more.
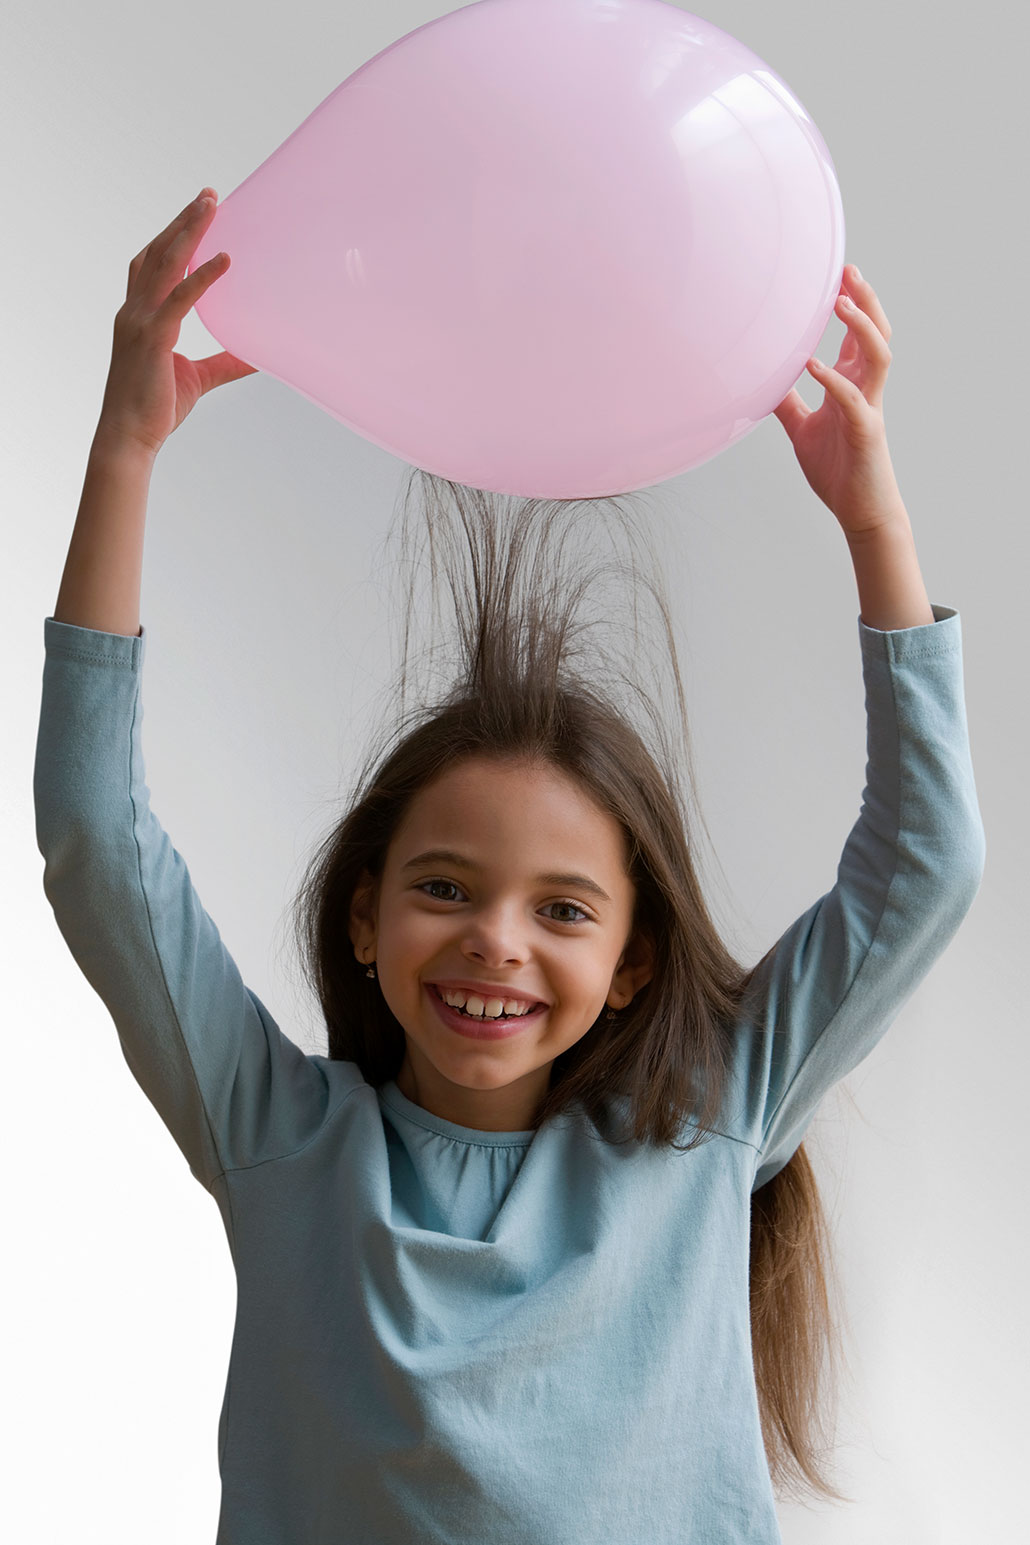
(579, 882)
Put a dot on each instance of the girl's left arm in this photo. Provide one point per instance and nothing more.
(842, 450)
(823, 996)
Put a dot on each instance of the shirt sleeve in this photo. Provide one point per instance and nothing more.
(827, 991)
(231, 1088)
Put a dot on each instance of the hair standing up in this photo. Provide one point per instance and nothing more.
(536, 680)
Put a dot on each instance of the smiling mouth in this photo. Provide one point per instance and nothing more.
(529, 1012)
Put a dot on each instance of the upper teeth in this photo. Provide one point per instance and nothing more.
(492, 1008)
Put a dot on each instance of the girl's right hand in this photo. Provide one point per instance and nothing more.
(149, 388)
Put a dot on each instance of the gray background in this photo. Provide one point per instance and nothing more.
(269, 648)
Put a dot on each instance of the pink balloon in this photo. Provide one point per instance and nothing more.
(555, 248)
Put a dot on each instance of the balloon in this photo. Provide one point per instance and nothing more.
(554, 248)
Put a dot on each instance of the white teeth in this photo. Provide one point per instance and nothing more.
(488, 1008)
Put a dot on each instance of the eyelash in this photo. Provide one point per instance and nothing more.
(575, 922)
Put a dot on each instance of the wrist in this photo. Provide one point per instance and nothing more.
(890, 585)
(113, 443)
(887, 524)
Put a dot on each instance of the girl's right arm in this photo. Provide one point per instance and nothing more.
(232, 1089)
(100, 588)
(150, 390)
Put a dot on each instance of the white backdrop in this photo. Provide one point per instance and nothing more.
(268, 644)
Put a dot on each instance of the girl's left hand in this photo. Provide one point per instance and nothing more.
(842, 446)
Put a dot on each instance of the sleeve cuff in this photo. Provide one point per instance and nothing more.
(942, 636)
(65, 641)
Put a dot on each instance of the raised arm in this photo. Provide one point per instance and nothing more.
(911, 866)
(150, 390)
(842, 449)
(232, 1089)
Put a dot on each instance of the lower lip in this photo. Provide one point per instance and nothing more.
(484, 1030)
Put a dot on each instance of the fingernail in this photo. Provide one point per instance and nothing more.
(855, 273)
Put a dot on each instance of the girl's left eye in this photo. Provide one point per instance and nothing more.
(570, 906)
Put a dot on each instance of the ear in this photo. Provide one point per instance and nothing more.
(363, 913)
(635, 970)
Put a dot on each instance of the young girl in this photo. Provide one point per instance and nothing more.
(534, 1254)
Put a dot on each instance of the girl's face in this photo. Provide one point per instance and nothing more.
(508, 875)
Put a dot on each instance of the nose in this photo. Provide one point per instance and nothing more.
(495, 937)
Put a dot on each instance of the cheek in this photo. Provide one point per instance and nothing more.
(409, 936)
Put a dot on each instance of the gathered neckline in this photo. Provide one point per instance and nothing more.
(398, 1101)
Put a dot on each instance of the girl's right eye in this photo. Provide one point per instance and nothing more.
(445, 883)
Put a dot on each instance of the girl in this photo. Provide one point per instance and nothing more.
(534, 1255)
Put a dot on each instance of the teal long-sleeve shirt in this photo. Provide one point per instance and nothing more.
(446, 1336)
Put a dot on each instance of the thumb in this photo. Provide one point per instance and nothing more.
(792, 412)
(218, 369)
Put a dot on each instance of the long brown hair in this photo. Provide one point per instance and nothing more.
(535, 679)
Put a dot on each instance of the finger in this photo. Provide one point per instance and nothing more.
(843, 391)
(166, 265)
(168, 254)
(217, 369)
(170, 228)
(189, 290)
(792, 412)
(863, 294)
(872, 346)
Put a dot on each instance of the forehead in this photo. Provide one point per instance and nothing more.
(482, 803)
